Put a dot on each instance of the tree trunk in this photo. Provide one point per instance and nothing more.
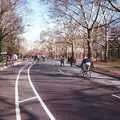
(66, 55)
(0, 48)
(72, 51)
(105, 53)
(89, 44)
(106, 45)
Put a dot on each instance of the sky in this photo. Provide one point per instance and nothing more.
(35, 17)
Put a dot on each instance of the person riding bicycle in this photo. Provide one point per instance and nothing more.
(86, 64)
(14, 58)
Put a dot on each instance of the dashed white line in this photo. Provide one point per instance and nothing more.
(39, 98)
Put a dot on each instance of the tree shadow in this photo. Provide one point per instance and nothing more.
(7, 111)
(79, 105)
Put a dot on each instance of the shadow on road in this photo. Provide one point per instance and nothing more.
(7, 111)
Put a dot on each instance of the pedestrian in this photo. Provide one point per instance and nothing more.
(36, 58)
(62, 61)
(68, 60)
(71, 61)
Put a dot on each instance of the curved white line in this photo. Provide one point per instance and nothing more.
(18, 116)
(39, 98)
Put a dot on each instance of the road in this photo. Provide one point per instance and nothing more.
(41, 92)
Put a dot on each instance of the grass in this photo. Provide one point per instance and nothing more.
(110, 67)
(117, 67)
(115, 64)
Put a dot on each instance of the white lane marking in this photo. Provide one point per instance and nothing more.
(32, 98)
(18, 116)
(116, 96)
(39, 98)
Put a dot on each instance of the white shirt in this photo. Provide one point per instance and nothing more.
(14, 57)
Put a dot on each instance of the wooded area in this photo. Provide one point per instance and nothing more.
(10, 28)
(93, 26)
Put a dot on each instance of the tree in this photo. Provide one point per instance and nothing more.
(84, 12)
(115, 4)
(48, 37)
(10, 25)
(11, 28)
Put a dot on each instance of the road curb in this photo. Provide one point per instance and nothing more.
(5, 67)
(106, 72)
(106, 82)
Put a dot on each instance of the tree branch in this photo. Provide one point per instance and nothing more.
(117, 9)
(71, 17)
(95, 16)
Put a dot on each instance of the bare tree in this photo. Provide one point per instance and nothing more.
(48, 37)
(115, 4)
(86, 13)
(10, 25)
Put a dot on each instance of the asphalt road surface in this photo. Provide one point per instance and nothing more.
(41, 92)
(72, 98)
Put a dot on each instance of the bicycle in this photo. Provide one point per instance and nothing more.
(14, 60)
(86, 71)
(13, 64)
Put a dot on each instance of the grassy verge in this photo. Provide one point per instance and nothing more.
(115, 64)
(110, 68)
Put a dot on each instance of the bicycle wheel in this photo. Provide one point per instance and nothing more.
(13, 66)
(88, 74)
(81, 73)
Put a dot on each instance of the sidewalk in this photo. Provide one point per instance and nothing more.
(3, 65)
(107, 70)
(102, 74)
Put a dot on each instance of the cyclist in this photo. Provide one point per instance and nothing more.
(14, 58)
(86, 64)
